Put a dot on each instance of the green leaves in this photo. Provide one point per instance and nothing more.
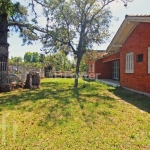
(6, 7)
(59, 61)
(77, 24)
(33, 57)
(17, 17)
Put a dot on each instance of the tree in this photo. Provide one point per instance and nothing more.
(35, 57)
(32, 57)
(14, 16)
(59, 61)
(28, 57)
(83, 65)
(76, 24)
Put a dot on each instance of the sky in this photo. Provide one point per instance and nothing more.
(137, 7)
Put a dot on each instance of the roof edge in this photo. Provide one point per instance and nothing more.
(128, 18)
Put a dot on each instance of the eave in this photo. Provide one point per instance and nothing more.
(128, 25)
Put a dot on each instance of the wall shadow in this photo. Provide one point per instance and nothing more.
(138, 100)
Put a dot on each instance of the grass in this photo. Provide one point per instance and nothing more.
(59, 116)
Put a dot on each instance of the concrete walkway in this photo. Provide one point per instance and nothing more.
(111, 82)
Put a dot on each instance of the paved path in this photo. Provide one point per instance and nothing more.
(111, 82)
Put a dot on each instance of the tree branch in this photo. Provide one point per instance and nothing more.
(105, 4)
(28, 26)
(37, 1)
(68, 33)
(73, 49)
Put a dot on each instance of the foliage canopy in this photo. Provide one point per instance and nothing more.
(76, 24)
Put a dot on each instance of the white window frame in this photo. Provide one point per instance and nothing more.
(148, 60)
(129, 64)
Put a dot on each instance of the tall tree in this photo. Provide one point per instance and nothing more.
(14, 16)
(32, 57)
(35, 57)
(76, 24)
(59, 61)
(83, 64)
(4, 5)
(28, 57)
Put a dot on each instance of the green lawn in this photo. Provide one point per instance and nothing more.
(59, 116)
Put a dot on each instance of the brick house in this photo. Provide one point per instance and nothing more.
(128, 55)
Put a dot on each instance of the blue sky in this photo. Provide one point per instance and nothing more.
(137, 7)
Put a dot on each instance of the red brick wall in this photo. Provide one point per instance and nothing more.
(103, 67)
(112, 57)
(138, 42)
(103, 70)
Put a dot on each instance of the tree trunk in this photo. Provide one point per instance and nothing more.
(4, 76)
(77, 71)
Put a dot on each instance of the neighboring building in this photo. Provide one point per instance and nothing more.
(128, 55)
(91, 58)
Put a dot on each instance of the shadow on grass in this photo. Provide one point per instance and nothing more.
(49, 90)
(89, 80)
(138, 100)
(62, 101)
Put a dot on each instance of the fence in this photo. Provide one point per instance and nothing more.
(4, 78)
(8, 75)
(22, 71)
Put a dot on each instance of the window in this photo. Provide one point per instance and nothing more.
(139, 58)
(148, 60)
(115, 70)
(129, 63)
